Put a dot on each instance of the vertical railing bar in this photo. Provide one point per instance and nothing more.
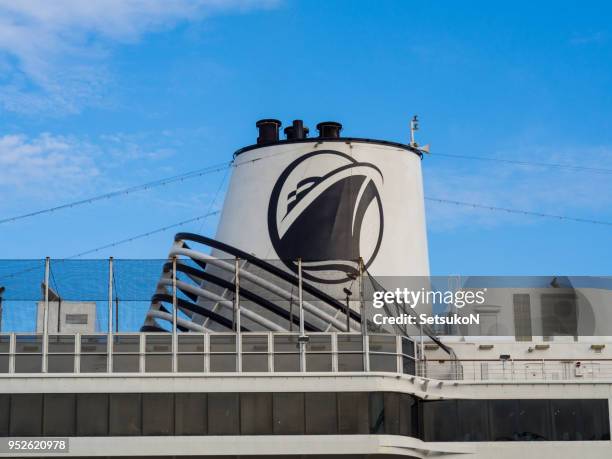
(174, 317)
(12, 350)
(302, 337)
(364, 319)
(237, 325)
(45, 317)
(109, 344)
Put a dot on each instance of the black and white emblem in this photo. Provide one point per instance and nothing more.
(326, 209)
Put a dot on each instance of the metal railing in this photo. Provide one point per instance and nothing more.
(257, 352)
(517, 370)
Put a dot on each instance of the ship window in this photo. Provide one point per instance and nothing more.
(59, 415)
(256, 414)
(4, 415)
(565, 416)
(353, 413)
(223, 414)
(534, 420)
(595, 424)
(321, 413)
(408, 411)
(157, 414)
(440, 420)
(504, 420)
(288, 413)
(26, 415)
(4, 363)
(92, 415)
(473, 418)
(377, 413)
(125, 414)
(191, 414)
(392, 413)
(28, 344)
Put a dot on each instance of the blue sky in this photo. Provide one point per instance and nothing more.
(96, 96)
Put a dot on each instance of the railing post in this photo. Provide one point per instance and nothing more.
(364, 318)
(174, 316)
(237, 325)
(109, 345)
(45, 317)
(302, 338)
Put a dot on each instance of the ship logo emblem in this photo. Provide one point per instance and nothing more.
(326, 209)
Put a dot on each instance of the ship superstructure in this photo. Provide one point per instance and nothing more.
(261, 342)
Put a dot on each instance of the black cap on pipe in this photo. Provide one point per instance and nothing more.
(296, 130)
(329, 129)
(268, 130)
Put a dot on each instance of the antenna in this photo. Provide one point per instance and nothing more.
(414, 126)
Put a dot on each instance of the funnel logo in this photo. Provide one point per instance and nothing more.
(326, 209)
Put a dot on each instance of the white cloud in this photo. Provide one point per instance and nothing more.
(556, 191)
(53, 54)
(43, 164)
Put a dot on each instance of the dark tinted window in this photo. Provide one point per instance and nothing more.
(59, 415)
(377, 413)
(534, 420)
(473, 418)
(408, 411)
(26, 415)
(440, 420)
(157, 414)
(191, 414)
(353, 413)
(321, 413)
(256, 414)
(392, 413)
(223, 412)
(504, 419)
(4, 414)
(288, 413)
(92, 415)
(595, 423)
(125, 414)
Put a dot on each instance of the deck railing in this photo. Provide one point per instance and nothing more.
(205, 353)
